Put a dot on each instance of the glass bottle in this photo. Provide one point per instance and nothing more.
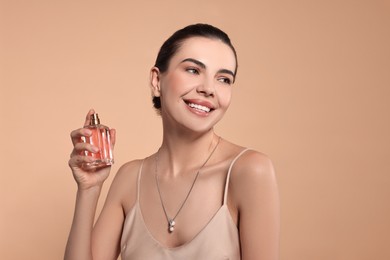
(100, 138)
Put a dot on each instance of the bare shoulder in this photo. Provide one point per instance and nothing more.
(253, 164)
(124, 185)
(248, 162)
(128, 169)
(252, 178)
(126, 172)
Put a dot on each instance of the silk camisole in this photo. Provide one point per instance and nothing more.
(218, 240)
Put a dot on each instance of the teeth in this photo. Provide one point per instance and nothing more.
(199, 107)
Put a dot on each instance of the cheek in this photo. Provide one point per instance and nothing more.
(176, 83)
(225, 96)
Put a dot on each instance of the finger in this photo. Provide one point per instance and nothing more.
(76, 135)
(80, 148)
(88, 117)
(79, 160)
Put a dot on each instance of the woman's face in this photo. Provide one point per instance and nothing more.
(195, 91)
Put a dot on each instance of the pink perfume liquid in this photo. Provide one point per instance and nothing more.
(100, 138)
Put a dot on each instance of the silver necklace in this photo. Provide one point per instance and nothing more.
(171, 221)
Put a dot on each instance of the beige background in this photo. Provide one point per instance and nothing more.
(313, 92)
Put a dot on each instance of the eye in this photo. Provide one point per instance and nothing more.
(192, 70)
(225, 80)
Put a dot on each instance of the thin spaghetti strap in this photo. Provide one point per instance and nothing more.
(228, 174)
(139, 179)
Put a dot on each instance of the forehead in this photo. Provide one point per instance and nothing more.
(211, 52)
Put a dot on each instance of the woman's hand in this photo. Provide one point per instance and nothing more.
(87, 178)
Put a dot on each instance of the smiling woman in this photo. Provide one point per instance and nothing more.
(199, 78)
(199, 196)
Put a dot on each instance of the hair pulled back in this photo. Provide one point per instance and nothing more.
(173, 43)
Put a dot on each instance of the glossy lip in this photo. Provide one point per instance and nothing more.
(199, 102)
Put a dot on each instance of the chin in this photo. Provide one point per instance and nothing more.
(200, 127)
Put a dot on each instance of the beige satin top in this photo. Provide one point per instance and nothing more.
(218, 240)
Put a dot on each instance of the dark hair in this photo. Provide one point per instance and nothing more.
(173, 43)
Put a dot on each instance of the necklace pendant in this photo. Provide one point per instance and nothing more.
(171, 225)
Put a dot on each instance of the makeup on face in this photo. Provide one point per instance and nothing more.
(203, 66)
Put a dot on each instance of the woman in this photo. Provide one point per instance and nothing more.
(199, 196)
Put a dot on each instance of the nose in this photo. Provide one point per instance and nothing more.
(206, 88)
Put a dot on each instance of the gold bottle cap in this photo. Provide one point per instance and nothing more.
(94, 119)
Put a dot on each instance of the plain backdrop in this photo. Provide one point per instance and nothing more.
(312, 92)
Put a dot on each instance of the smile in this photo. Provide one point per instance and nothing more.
(199, 107)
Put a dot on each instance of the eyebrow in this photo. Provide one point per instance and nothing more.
(203, 66)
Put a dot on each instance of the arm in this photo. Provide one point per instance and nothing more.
(89, 182)
(79, 240)
(102, 241)
(257, 200)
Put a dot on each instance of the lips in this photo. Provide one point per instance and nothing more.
(200, 105)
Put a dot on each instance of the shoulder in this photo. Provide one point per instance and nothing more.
(123, 186)
(126, 171)
(246, 163)
(129, 168)
(252, 178)
(256, 200)
(253, 164)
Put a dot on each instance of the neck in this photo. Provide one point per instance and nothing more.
(182, 153)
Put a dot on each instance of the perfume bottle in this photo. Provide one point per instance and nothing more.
(100, 138)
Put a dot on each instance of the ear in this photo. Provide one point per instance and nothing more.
(155, 82)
